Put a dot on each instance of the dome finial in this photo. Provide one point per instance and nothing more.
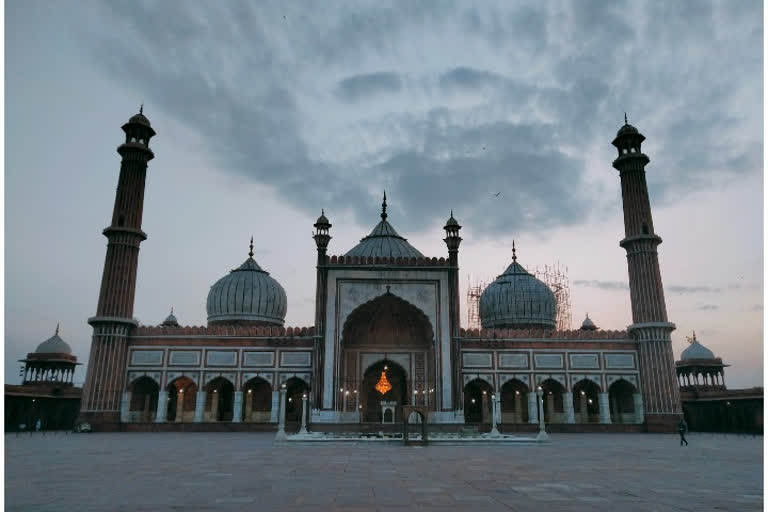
(171, 309)
(625, 118)
(141, 108)
(57, 329)
(250, 253)
(384, 207)
(514, 256)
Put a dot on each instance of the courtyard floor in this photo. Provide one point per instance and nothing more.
(247, 471)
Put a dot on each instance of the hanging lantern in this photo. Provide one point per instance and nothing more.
(383, 385)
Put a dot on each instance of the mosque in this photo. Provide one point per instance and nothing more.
(386, 333)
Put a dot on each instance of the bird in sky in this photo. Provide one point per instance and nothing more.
(497, 194)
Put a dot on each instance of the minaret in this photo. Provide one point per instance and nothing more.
(114, 321)
(650, 327)
(322, 237)
(453, 240)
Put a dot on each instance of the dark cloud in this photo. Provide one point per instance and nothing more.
(358, 87)
(682, 289)
(232, 72)
(603, 285)
(468, 78)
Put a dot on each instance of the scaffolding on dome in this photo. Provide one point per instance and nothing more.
(474, 291)
(556, 277)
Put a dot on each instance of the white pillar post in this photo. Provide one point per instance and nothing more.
(568, 407)
(639, 413)
(162, 407)
(237, 407)
(605, 412)
(532, 410)
(274, 412)
(303, 429)
(125, 406)
(199, 406)
(281, 418)
(542, 435)
(495, 418)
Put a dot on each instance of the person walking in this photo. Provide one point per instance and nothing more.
(682, 428)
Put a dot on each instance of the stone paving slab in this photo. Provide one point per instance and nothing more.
(248, 471)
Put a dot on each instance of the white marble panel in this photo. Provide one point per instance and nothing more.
(477, 359)
(295, 359)
(221, 358)
(185, 358)
(619, 360)
(513, 360)
(584, 361)
(258, 358)
(548, 360)
(147, 357)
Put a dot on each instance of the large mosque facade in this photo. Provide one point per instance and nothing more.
(386, 333)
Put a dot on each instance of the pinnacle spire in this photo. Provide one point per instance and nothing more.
(57, 329)
(514, 256)
(141, 108)
(625, 118)
(250, 253)
(384, 207)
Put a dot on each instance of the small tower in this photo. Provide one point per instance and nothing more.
(114, 321)
(650, 327)
(453, 240)
(322, 237)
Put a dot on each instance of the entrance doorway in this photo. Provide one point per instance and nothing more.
(371, 398)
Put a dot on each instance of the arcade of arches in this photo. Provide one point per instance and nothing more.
(218, 401)
(585, 403)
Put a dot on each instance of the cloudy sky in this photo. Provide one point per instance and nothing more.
(501, 111)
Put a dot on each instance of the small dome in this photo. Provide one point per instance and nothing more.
(170, 320)
(696, 351)
(627, 128)
(54, 345)
(322, 220)
(384, 241)
(451, 221)
(247, 295)
(517, 299)
(588, 324)
(140, 118)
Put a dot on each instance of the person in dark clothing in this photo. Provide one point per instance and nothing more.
(682, 427)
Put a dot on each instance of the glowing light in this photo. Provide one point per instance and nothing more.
(383, 386)
(590, 400)
(290, 399)
(473, 400)
(347, 392)
(583, 393)
(304, 396)
(215, 390)
(250, 391)
(517, 392)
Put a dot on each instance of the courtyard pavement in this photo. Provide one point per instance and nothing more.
(247, 471)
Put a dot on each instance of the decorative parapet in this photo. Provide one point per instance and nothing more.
(495, 334)
(260, 331)
(391, 261)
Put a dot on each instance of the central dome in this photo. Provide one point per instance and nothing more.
(517, 299)
(247, 296)
(384, 241)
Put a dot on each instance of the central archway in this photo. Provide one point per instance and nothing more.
(371, 398)
(395, 333)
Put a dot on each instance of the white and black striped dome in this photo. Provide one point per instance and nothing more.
(517, 299)
(384, 241)
(247, 295)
